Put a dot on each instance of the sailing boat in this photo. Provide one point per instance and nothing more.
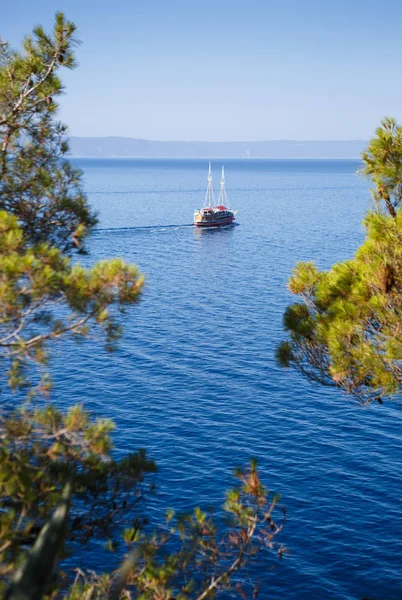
(214, 216)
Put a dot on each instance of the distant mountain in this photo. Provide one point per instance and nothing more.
(119, 147)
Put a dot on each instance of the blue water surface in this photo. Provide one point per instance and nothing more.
(194, 379)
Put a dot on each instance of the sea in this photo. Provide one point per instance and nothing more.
(194, 378)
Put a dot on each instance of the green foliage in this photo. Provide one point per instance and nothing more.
(194, 557)
(44, 213)
(383, 163)
(43, 297)
(347, 331)
(40, 451)
(37, 184)
(43, 216)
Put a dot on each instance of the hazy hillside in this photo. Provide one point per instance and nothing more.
(119, 147)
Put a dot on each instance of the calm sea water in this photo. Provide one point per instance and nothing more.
(195, 381)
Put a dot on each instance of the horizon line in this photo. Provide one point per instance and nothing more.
(122, 137)
(242, 158)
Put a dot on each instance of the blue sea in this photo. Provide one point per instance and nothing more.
(194, 379)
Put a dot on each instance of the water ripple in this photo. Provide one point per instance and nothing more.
(195, 381)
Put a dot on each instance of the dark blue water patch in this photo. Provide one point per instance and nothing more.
(194, 379)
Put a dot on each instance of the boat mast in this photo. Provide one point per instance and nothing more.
(223, 199)
(209, 197)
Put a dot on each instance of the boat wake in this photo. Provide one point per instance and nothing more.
(139, 228)
(150, 228)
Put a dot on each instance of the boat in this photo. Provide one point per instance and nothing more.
(214, 216)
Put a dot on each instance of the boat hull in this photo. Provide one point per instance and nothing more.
(221, 223)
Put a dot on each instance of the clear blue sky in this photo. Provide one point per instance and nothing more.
(226, 69)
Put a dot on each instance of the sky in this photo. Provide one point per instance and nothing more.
(225, 70)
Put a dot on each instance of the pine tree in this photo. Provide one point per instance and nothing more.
(37, 184)
(346, 331)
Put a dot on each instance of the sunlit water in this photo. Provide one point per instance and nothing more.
(195, 381)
